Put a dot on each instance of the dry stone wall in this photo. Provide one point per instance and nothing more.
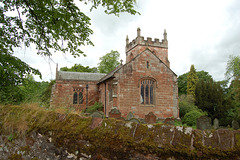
(50, 135)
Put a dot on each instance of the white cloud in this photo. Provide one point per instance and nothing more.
(200, 32)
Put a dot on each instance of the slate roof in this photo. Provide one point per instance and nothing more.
(109, 75)
(63, 75)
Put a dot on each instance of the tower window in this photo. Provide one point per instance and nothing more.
(147, 64)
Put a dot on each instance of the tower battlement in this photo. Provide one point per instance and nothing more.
(139, 40)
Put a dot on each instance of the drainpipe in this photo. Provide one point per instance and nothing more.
(86, 95)
(105, 99)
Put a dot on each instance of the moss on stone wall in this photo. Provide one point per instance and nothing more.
(111, 138)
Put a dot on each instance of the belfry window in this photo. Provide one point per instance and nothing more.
(147, 91)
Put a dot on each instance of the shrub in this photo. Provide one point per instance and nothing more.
(98, 106)
(186, 105)
(190, 118)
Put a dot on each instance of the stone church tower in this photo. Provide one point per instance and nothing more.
(160, 49)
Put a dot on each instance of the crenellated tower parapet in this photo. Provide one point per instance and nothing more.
(139, 40)
(137, 45)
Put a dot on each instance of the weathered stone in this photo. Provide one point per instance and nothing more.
(169, 121)
(204, 122)
(96, 122)
(114, 113)
(135, 120)
(130, 116)
(150, 118)
(215, 123)
(235, 124)
(97, 114)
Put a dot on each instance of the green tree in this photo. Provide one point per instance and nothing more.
(233, 73)
(182, 84)
(233, 68)
(108, 62)
(79, 68)
(182, 80)
(192, 80)
(186, 105)
(210, 98)
(12, 74)
(233, 92)
(46, 94)
(32, 90)
(50, 25)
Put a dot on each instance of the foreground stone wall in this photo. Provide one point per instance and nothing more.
(50, 135)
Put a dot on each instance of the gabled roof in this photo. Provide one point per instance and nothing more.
(111, 74)
(65, 75)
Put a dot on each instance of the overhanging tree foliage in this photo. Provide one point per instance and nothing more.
(50, 25)
(12, 74)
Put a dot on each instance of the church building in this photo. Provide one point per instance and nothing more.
(144, 84)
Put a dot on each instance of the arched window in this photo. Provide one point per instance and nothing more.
(80, 98)
(78, 95)
(147, 91)
(75, 95)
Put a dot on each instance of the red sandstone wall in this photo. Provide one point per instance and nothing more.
(129, 88)
(161, 53)
(62, 93)
(107, 103)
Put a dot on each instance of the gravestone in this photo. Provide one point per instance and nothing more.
(150, 118)
(130, 116)
(204, 122)
(169, 121)
(235, 124)
(135, 120)
(114, 113)
(97, 114)
(215, 123)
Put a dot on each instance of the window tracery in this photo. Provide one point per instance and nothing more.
(147, 91)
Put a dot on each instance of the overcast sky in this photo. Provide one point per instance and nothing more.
(200, 32)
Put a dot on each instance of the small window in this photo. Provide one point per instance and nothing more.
(75, 95)
(142, 94)
(80, 98)
(147, 64)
